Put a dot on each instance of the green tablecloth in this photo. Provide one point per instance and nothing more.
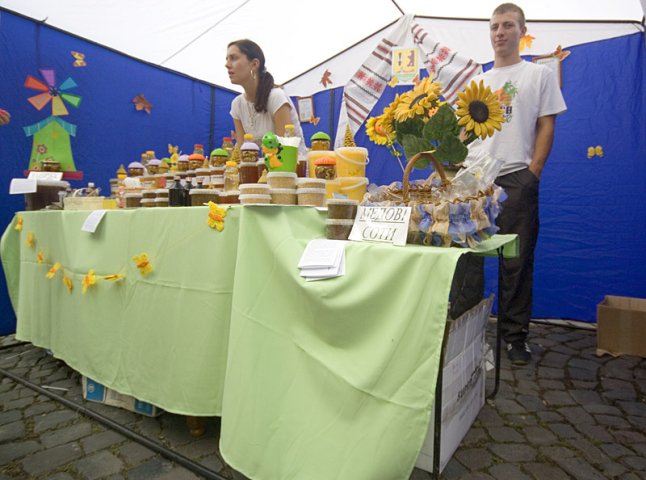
(314, 380)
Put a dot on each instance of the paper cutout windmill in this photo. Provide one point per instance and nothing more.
(51, 141)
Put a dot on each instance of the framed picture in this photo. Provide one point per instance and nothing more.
(553, 63)
(305, 107)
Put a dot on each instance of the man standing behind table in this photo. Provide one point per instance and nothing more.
(530, 99)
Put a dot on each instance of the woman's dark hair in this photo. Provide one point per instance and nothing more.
(265, 80)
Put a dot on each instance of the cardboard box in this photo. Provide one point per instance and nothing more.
(621, 326)
(463, 385)
(97, 392)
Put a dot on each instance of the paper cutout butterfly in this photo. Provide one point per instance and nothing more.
(79, 59)
(141, 103)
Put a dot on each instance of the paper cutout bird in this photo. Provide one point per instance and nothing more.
(326, 78)
(141, 103)
(79, 59)
(314, 120)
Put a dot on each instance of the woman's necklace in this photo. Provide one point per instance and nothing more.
(252, 113)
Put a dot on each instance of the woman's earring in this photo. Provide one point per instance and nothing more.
(253, 74)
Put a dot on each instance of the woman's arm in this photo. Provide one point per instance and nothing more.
(239, 131)
(282, 117)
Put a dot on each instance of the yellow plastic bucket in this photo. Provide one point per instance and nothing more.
(353, 187)
(312, 155)
(332, 187)
(351, 161)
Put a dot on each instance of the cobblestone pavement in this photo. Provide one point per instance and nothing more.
(568, 415)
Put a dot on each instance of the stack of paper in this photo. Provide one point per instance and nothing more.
(323, 259)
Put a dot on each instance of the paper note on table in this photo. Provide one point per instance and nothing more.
(92, 221)
(323, 259)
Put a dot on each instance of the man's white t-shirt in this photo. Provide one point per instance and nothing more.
(526, 92)
(259, 123)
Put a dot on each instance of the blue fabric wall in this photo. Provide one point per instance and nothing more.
(110, 131)
(592, 215)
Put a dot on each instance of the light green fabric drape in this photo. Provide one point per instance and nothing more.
(331, 379)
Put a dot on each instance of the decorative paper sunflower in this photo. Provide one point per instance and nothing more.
(143, 264)
(114, 277)
(52, 271)
(380, 131)
(88, 280)
(216, 216)
(30, 240)
(479, 110)
(67, 281)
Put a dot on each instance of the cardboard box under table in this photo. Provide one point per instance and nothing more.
(462, 388)
(99, 393)
(621, 326)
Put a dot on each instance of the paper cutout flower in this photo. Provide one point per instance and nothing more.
(67, 281)
(30, 240)
(88, 280)
(142, 103)
(216, 216)
(114, 277)
(143, 264)
(40, 257)
(18, 225)
(52, 271)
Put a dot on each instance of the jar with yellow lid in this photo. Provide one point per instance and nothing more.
(231, 176)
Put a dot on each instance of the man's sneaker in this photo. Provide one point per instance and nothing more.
(519, 352)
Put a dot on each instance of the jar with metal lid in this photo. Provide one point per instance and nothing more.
(325, 168)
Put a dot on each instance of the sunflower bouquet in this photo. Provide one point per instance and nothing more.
(460, 212)
(419, 120)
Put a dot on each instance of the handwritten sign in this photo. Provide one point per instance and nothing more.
(381, 224)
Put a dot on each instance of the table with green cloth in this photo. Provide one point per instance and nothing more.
(313, 379)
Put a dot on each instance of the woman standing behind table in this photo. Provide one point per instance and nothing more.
(263, 107)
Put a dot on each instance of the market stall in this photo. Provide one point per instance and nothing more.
(223, 324)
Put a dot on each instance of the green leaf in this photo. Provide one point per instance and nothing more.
(412, 146)
(451, 150)
(440, 124)
(409, 127)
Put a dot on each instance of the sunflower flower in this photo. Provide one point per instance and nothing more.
(67, 281)
(88, 280)
(216, 216)
(143, 264)
(18, 225)
(52, 271)
(479, 110)
(380, 130)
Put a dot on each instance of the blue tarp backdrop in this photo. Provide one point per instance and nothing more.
(593, 226)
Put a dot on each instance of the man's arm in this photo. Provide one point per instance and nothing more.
(542, 144)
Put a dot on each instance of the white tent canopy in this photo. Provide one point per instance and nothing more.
(191, 36)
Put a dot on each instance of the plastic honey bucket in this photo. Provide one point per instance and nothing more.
(353, 187)
(312, 155)
(332, 187)
(351, 161)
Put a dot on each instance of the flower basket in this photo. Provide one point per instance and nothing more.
(443, 214)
